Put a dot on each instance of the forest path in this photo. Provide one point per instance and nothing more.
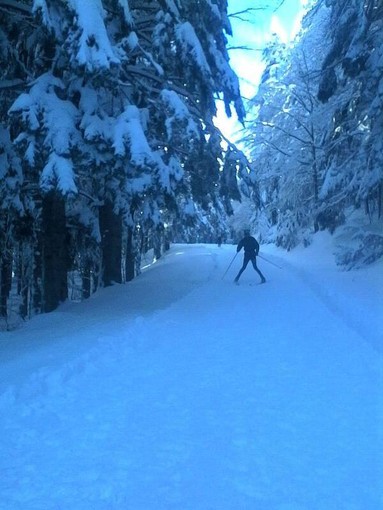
(225, 397)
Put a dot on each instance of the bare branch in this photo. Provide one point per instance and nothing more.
(17, 6)
(245, 11)
(11, 84)
(279, 6)
(243, 48)
(285, 131)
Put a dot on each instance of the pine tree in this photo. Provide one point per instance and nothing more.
(117, 105)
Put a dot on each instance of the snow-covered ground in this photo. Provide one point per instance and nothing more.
(182, 391)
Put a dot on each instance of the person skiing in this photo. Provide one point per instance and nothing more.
(251, 249)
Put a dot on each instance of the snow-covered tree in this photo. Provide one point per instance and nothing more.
(351, 83)
(113, 130)
(285, 143)
(314, 138)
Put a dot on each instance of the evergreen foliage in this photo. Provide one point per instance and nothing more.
(107, 139)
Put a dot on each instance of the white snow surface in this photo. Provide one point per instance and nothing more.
(129, 128)
(191, 47)
(182, 391)
(128, 15)
(178, 112)
(95, 50)
(58, 172)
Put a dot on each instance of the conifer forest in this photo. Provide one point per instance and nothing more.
(109, 146)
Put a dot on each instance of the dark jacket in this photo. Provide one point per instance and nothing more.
(249, 244)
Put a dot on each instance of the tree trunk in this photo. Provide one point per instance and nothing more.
(37, 292)
(157, 243)
(111, 235)
(55, 252)
(167, 241)
(86, 279)
(129, 260)
(5, 282)
(22, 281)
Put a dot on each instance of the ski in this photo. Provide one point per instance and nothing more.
(251, 284)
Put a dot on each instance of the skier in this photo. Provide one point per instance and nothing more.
(251, 249)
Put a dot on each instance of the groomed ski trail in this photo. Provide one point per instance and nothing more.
(227, 398)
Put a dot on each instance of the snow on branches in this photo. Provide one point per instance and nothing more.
(314, 143)
(58, 174)
(110, 104)
(178, 114)
(129, 137)
(190, 47)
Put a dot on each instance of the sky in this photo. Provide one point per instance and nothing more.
(182, 391)
(254, 34)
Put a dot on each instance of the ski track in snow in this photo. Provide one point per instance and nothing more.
(182, 391)
(366, 323)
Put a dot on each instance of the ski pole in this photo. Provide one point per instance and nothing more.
(229, 266)
(269, 261)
